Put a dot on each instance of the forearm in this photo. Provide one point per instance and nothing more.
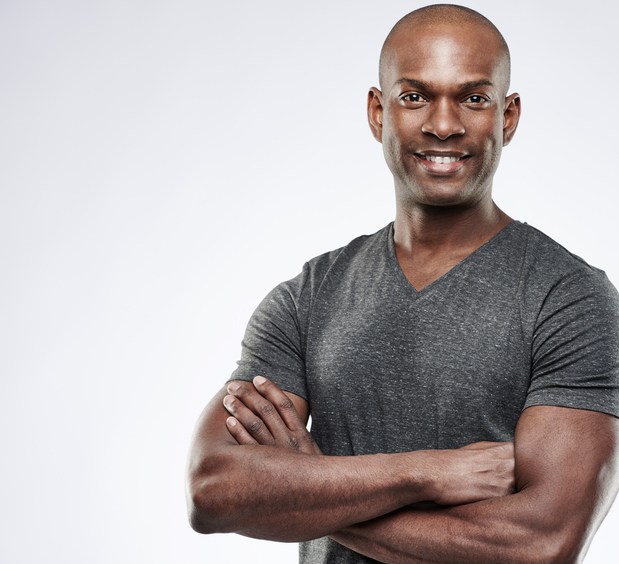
(280, 494)
(271, 493)
(565, 488)
(495, 530)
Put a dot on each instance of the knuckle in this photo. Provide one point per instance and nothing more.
(266, 409)
(286, 404)
(240, 388)
(255, 426)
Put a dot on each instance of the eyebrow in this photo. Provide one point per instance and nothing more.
(425, 86)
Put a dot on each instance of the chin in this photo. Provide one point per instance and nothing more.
(445, 199)
(444, 196)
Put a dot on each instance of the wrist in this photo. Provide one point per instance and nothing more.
(421, 475)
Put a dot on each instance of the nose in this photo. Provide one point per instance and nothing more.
(443, 120)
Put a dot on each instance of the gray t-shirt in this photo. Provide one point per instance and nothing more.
(386, 368)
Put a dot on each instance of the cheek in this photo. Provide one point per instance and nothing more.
(492, 155)
(397, 137)
(392, 153)
(491, 138)
(396, 143)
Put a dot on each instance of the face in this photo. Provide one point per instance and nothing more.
(443, 116)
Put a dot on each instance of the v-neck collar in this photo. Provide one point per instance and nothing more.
(453, 270)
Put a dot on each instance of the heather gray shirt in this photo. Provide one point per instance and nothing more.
(385, 368)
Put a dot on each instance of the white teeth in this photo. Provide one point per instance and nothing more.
(441, 160)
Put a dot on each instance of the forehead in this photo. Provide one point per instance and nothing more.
(446, 53)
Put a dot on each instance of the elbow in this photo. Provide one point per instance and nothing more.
(206, 507)
(210, 499)
(200, 510)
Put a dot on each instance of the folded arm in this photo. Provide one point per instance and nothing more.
(259, 489)
(566, 471)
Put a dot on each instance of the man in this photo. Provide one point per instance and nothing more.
(422, 351)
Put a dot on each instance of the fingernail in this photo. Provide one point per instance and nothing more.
(259, 380)
(231, 421)
(228, 400)
(233, 387)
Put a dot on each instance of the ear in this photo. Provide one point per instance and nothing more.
(511, 116)
(375, 113)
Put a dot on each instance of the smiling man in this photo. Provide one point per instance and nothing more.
(457, 357)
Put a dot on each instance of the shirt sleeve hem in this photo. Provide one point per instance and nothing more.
(571, 398)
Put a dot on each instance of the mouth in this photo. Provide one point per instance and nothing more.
(442, 163)
(441, 160)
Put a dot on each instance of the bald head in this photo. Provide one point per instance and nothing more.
(439, 16)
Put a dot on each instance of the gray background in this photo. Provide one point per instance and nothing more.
(162, 166)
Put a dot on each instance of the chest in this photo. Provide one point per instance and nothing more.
(435, 372)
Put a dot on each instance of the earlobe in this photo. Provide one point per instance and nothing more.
(511, 117)
(375, 113)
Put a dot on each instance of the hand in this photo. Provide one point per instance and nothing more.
(477, 471)
(262, 414)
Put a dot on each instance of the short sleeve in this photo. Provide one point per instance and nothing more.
(575, 346)
(273, 345)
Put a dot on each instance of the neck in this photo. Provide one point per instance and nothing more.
(437, 229)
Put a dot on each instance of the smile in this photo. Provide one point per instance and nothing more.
(442, 165)
(441, 160)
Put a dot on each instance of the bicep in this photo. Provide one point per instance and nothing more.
(566, 465)
(210, 434)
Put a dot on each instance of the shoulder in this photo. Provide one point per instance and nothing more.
(301, 290)
(540, 248)
(547, 266)
(359, 247)
(572, 311)
(359, 251)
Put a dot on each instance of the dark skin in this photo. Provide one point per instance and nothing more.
(540, 522)
(309, 497)
(443, 116)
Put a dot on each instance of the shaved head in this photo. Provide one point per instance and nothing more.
(444, 76)
(437, 16)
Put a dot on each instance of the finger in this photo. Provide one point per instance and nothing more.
(482, 445)
(253, 424)
(281, 401)
(252, 399)
(239, 433)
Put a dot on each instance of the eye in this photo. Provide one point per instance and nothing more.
(476, 99)
(413, 98)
